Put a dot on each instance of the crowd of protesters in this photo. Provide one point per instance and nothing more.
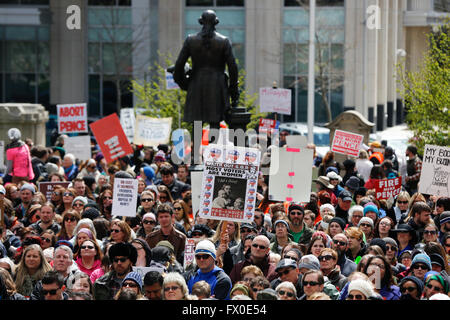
(343, 244)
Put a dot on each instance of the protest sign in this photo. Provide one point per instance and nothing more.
(196, 186)
(387, 188)
(290, 169)
(347, 143)
(268, 125)
(170, 82)
(127, 120)
(189, 252)
(110, 137)
(178, 143)
(435, 174)
(229, 183)
(79, 146)
(275, 100)
(46, 188)
(124, 197)
(2, 153)
(72, 118)
(152, 131)
(142, 270)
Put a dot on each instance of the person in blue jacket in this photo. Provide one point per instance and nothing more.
(219, 281)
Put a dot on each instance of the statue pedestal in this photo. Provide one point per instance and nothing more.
(238, 118)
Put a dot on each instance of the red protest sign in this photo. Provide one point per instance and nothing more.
(72, 118)
(386, 188)
(267, 125)
(347, 143)
(111, 138)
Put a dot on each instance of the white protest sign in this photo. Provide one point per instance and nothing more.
(79, 146)
(189, 252)
(170, 82)
(291, 172)
(124, 197)
(229, 183)
(196, 186)
(435, 174)
(275, 100)
(72, 118)
(128, 120)
(347, 143)
(2, 153)
(152, 131)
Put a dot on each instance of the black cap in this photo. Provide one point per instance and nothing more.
(437, 259)
(352, 183)
(345, 195)
(251, 226)
(286, 263)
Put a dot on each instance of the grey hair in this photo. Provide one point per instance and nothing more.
(84, 222)
(175, 277)
(70, 156)
(287, 285)
(65, 248)
(14, 134)
(353, 209)
(241, 297)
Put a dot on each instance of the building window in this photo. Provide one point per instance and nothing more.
(105, 3)
(215, 3)
(441, 5)
(320, 3)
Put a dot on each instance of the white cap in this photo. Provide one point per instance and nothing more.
(363, 286)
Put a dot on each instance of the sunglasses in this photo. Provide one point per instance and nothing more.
(51, 292)
(147, 200)
(46, 239)
(389, 248)
(120, 259)
(130, 285)
(430, 232)
(402, 202)
(341, 243)
(107, 198)
(70, 219)
(285, 293)
(197, 234)
(116, 230)
(430, 286)
(245, 230)
(202, 256)
(325, 258)
(354, 297)
(68, 194)
(55, 193)
(259, 246)
(365, 225)
(87, 247)
(148, 222)
(284, 272)
(310, 283)
(290, 257)
(296, 213)
(166, 289)
(420, 266)
(177, 208)
(409, 289)
(78, 205)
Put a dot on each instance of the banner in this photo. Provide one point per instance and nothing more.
(275, 100)
(189, 252)
(387, 188)
(152, 131)
(46, 188)
(435, 174)
(347, 143)
(79, 146)
(72, 118)
(110, 137)
(229, 183)
(124, 197)
(127, 120)
(268, 125)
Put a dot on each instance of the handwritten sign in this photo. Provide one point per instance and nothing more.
(275, 100)
(46, 188)
(152, 131)
(387, 188)
(347, 143)
(189, 252)
(127, 120)
(435, 174)
(124, 197)
(72, 118)
(79, 146)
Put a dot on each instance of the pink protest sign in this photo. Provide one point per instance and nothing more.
(347, 143)
(275, 100)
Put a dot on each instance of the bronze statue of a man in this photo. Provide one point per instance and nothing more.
(209, 88)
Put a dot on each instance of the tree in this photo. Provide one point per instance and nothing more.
(426, 92)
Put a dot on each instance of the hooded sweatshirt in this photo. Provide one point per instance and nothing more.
(218, 280)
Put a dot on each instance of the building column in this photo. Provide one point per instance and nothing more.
(170, 28)
(372, 66)
(382, 65)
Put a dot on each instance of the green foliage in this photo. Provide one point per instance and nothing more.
(427, 94)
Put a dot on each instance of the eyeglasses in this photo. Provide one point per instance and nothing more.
(116, 230)
(68, 194)
(296, 213)
(284, 272)
(310, 283)
(166, 289)
(354, 297)
(323, 258)
(386, 224)
(420, 266)
(130, 284)
(430, 232)
(146, 200)
(365, 225)
(177, 208)
(402, 202)
(341, 243)
(255, 245)
(202, 256)
(87, 247)
(381, 266)
(78, 205)
(430, 286)
(120, 259)
(290, 257)
(285, 293)
(46, 239)
(409, 289)
(70, 219)
(389, 248)
(51, 292)
(107, 198)
(148, 222)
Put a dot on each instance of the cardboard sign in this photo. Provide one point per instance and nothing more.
(46, 188)
(110, 137)
(347, 143)
(387, 188)
(124, 197)
(127, 120)
(72, 118)
(435, 174)
(291, 171)
(229, 183)
(152, 131)
(189, 252)
(80, 146)
(275, 100)
(268, 125)
(170, 83)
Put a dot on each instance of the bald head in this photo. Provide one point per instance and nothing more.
(260, 248)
